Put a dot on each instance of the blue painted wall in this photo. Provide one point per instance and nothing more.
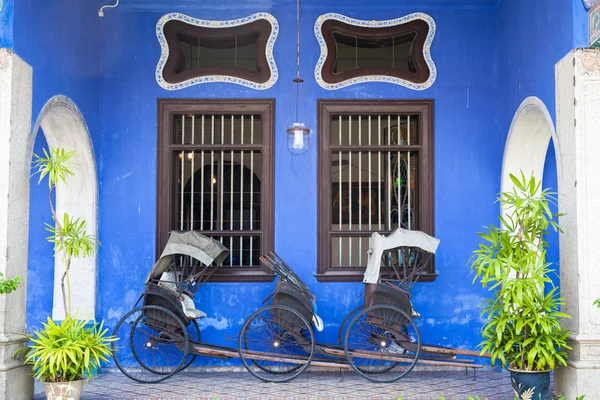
(532, 39)
(60, 39)
(468, 151)
(6, 23)
(488, 61)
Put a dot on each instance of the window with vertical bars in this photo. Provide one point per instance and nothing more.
(376, 174)
(215, 176)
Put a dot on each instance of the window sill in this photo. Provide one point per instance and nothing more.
(242, 276)
(346, 276)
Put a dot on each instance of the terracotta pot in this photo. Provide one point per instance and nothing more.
(530, 385)
(63, 390)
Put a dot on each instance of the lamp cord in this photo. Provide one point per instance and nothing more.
(297, 80)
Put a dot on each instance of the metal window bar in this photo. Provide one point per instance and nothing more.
(193, 173)
(360, 191)
(350, 191)
(389, 185)
(212, 172)
(340, 185)
(202, 180)
(230, 190)
(251, 184)
(370, 167)
(181, 178)
(241, 190)
(399, 177)
(379, 170)
(408, 188)
(222, 172)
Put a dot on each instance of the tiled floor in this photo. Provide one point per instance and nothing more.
(453, 385)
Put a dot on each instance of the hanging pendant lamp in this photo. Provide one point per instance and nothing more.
(298, 132)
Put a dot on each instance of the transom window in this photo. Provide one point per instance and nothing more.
(215, 171)
(376, 174)
(195, 51)
(356, 51)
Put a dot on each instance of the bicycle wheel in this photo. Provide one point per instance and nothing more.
(276, 344)
(152, 346)
(382, 343)
(344, 324)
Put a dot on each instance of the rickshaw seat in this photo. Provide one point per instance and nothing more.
(168, 280)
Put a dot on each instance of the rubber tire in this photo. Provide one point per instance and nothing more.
(297, 371)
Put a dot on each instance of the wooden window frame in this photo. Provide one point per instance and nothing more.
(167, 108)
(425, 207)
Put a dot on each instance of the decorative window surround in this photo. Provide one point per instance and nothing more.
(376, 24)
(216, 25)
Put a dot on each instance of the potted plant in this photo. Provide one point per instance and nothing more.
(64, 353)
(523, 328)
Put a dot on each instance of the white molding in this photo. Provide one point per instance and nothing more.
(63, 126)
(376, 24)
(216, 24)
(527, 142)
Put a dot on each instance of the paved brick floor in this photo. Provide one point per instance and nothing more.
(491, 385)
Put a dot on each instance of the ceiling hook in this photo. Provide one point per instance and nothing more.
(101, 10)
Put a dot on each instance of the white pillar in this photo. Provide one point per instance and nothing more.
(578, 127)
(15, 125)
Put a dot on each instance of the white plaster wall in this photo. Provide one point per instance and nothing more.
(527, 143)
(64, 126)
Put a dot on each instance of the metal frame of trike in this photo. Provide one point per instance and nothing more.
(171, 329)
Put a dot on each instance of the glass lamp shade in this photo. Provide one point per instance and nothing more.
(298, 138)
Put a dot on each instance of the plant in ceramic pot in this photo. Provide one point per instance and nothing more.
(523, 328)
(63, 354)
(70, 350)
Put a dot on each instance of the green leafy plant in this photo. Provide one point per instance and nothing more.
(68, 234)
(9, 285)
(523, 328)
(68, 351)
(597, 303)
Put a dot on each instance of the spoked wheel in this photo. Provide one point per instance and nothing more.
(344, 324)
(152, 346)
(194, 336)
(276, 344)
(382, 343)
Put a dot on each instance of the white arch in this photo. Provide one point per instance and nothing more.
(527, 143)
(63, 126)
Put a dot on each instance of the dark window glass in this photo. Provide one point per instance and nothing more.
(355, 52)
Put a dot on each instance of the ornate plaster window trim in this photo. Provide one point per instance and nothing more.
(216, 24)
(376, 24)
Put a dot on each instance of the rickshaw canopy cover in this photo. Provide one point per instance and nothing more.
(193, 244)
(399, 238)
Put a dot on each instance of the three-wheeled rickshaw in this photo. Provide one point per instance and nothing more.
(380, 340)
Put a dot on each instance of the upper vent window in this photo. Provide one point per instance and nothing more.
(197, 51)
(395, 51)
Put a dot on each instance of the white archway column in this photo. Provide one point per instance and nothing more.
(578, 126)
(64, 127)
(15, 122)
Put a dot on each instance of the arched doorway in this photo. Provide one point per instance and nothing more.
(63, 126)
(527, 143)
